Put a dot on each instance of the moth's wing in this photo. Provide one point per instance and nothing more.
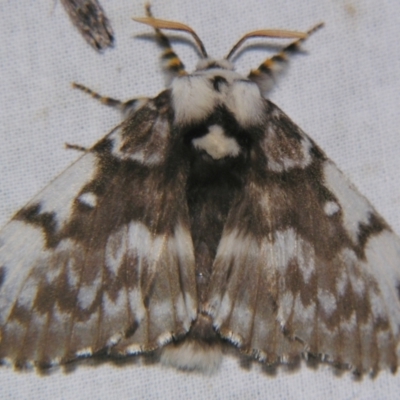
(305, 264)
(102, 259)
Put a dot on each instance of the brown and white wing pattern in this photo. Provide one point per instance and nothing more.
(305, 265)
(102, 259)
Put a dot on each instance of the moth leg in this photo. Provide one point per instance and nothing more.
(126, 107)
(169, 59)
(108, 101)
(264, 74)
(70, 146)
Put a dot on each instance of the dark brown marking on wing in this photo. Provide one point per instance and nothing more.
(3, 273)
(46, 221)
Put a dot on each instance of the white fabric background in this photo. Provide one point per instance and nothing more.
(345, 93)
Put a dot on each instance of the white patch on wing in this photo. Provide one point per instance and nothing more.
(305, 257)
(146, 159)
(114, 339)
(183, 247)
(349, 325)
(285, 305)
(164, 338)
(223, 311)
(356, 209)
(182, 311)
(88, 199)
(153, 151)
(133, 349)
(83, 333)
(17, 329)
(287, 247)
(217, 144)
(163, 313)
(281, 162)
(75, 260)
(331, 208)
(58, 198)
(22, 250)
(59, 324)
(353, 274)
(283, 249)
(327, 301)
(135, 298)
(130, 109)
(327, 335)
(238, 248)
(117, 141)
(382, 254)
(158, 253)
(242, 318)
(382, 339)
(357, 284)
(87, 293)
(149, 151)
(342, 281)
(305, 314)
(114, 309)
(192, 356)
(234, 338)
(116, 249)
(378, 306)
(302, 320)
(28, 293)
(87, 352)
(143, 244)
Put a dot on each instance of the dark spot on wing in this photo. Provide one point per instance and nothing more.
(288, 127)
(217, 82)
(162, 102)
(316, 152)
(20, 313)
(2, 275)
(45, 298)
(374, 226)
(83, 207)
(45, 220)
(104, 146)
(398, 289)
(131, 329)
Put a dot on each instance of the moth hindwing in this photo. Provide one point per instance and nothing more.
(207, 217)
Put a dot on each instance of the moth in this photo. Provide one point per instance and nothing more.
(89, 18)
(207, 218)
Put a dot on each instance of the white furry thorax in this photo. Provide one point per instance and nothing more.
(213, 84)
